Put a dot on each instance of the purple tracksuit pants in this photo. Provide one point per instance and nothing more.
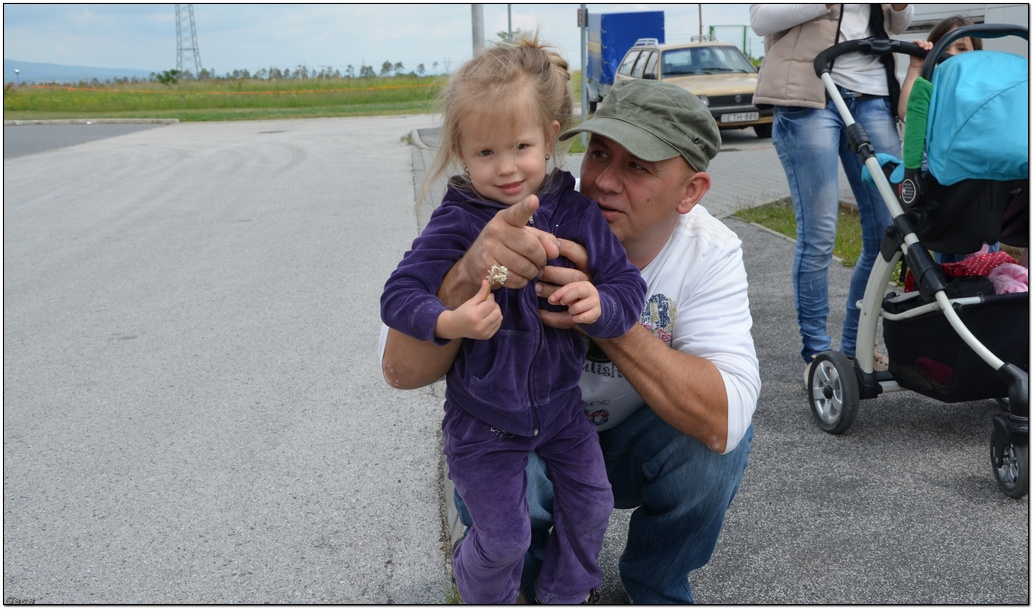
(487, 466)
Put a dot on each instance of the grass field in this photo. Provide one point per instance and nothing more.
(221, 100)
(227, 100)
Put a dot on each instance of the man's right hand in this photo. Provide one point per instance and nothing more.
(409, 363)
(506, 240)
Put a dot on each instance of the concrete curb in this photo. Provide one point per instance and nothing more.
(417, 140)
(454, 528)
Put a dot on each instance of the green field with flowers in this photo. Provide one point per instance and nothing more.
(228, 99)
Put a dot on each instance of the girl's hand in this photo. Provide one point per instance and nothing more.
(581, 299)
(478, 318)
(918, 62)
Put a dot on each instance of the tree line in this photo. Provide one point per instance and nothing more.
(303, 72)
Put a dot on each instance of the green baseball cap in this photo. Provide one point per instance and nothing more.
(655, 121)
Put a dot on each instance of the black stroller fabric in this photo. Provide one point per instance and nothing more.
(927, 356)
(960, 218)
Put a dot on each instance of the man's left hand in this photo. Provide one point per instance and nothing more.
(555, 276)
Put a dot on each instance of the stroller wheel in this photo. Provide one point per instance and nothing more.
(1012, 474)
(833, 392)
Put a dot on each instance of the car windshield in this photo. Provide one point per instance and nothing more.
(704, 60)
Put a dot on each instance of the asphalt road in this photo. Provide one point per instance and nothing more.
(32, 138)
(194, 412)
(193, 407)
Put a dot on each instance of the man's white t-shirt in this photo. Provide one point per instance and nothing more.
(697, 303)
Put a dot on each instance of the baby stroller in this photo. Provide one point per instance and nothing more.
(953, 339)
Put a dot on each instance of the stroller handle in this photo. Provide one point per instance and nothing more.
(979, 30)
(865, 46)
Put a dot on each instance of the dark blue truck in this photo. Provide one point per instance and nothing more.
(610, 35)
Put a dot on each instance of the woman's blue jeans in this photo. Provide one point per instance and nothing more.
(680, 491)
(810, 143)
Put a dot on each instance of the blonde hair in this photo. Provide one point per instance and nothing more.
(508, 80)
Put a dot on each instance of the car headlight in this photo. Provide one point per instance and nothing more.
(705, 100)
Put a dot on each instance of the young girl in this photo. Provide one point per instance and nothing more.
(514, 385)
(914, 68)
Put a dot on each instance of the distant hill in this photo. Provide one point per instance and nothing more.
(30, 72)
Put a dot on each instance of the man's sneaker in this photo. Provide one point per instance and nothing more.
(593, 598)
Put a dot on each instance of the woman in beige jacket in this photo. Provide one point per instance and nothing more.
(809, 135)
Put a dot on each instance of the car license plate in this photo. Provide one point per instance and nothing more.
(740, 117)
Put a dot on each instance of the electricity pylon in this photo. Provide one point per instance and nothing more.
(181, 41)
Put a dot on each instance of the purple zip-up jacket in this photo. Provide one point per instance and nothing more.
(516, 380)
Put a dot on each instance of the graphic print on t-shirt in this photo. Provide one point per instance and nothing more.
(658, 317)
(600, 416)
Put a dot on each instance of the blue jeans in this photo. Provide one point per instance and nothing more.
(810, 143)
(679, 489)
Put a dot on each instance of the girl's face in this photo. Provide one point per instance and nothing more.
(960, 46)
(505, 164)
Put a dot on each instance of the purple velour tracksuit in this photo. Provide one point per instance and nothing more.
(518, 392)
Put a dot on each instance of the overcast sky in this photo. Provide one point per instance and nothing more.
(255, 36)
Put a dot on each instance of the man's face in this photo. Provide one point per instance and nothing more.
(639, 199)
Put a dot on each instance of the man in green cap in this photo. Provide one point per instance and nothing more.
(674, 397)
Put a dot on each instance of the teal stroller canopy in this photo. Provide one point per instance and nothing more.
(978, 125)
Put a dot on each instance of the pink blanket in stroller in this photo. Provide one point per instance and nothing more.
(1009, 278)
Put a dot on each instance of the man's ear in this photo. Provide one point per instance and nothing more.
(696, 185)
